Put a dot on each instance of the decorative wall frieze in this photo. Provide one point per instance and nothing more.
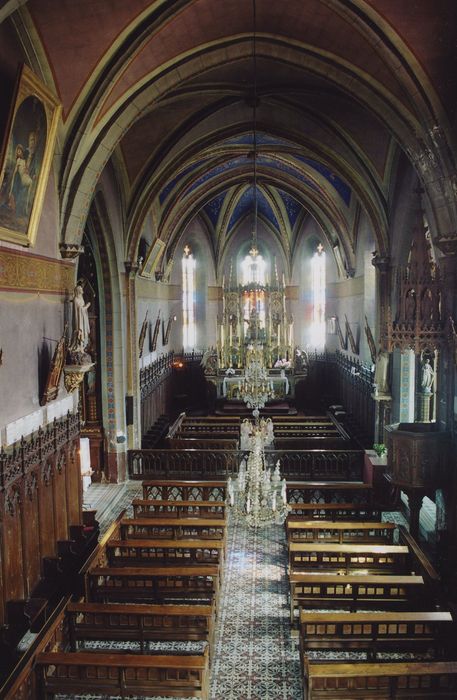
(23, 272)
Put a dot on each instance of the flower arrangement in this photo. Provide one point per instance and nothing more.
(380, 449)
(283, 363)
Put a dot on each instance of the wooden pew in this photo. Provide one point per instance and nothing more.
(333, 511)
(353, 591)
(206, 426)
(146, 508)
(317, 492)
(372, 558)
(342, 532)
(123, 674)
(164, 552)
(316, 442)
(173, 528)
(380, 681)
(201, 443)
(375, 632)
(141, 623)
(161, 584)
(185, 490)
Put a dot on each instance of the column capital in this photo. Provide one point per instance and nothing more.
(70, 251)
(381, 262)
(131, 268)
(447, 243)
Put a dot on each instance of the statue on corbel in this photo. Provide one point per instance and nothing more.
(79, 360)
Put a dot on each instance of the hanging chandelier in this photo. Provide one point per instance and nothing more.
(258, 495)
(256, 387)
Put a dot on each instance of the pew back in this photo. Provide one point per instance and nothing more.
(159, 584)
(352, 591)
(187, 490)
(342, 532)
(138, 622)
(376, 631)
(164, 552)
(381, 681)
(124, 674)
(371, 558)
(173, 528)
(146, 508)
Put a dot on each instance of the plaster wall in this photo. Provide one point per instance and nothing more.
(28, 322)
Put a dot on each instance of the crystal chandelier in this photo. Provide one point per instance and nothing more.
(256, 387)
(258, 495)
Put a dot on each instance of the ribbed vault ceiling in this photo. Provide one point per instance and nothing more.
(164, 91)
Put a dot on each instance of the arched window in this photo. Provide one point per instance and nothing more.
(253, 268)
(318, 291)
(188, 300)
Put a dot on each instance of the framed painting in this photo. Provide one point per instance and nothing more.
(26, 158)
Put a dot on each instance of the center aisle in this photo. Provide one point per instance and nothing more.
(255, 657)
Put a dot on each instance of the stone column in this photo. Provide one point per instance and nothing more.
(132, 398)
(382, 265)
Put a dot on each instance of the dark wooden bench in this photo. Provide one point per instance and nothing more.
(371, 558)
(185, 490)
(173, 528)
(342, 532)
(201, 443)
(164, 552)
(162, 584)
(380, 681)
(146, 508)
(374, 632)
(141, 623)
(123, 674)
(317, 492)
(353, 591)
(333, 511)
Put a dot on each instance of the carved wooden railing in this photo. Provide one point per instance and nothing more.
(306, 465)
(355, 389)
(17, 460)
(40, 503)
(155, 373)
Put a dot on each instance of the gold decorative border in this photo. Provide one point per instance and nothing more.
(34, 273)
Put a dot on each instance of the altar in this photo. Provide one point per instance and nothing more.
(230, 386)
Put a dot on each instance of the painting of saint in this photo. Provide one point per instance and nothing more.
(23, 163)
(26, 156)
